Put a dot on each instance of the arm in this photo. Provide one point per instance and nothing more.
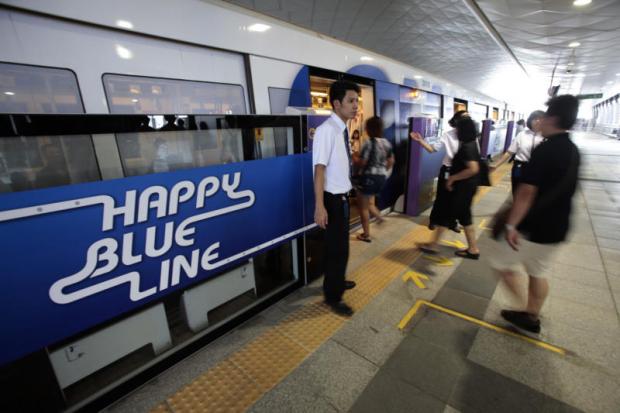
(320, 213)
(415, 136)
(503, 159)
(472, 169)
(390, 162)
(524, 198)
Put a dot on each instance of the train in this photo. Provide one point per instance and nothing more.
(155, 179)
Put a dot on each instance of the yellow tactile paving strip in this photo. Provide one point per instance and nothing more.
(237, 382)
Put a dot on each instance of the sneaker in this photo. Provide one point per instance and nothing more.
(340, 308)
(522, 320)
(349, 285)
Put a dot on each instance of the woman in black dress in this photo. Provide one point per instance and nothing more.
(462, 185)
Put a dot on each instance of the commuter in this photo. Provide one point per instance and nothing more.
(520, 126)
(521, 148)
(355, 142)
(331, 161)
(541, 212)
(441, 206)
(55, 172)
(461, 187)
(374, 160)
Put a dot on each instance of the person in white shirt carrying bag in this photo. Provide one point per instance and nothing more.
(522, 146)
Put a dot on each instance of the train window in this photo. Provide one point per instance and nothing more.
(278, 100)
(136, 95)
(34, 89)
(41, 162)
(168, 143)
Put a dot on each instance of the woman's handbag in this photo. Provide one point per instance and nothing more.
(498, 223)
(483, 174)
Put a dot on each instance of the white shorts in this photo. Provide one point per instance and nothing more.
(536, 258)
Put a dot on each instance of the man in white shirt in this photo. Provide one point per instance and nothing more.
(522, 147)
(331, 161)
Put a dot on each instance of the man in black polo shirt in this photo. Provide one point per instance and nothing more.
(539, 218)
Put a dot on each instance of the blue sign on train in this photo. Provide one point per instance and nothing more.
(75, 256)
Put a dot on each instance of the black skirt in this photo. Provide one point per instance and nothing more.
(462, 196)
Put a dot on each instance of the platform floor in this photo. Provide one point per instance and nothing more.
(455, 354)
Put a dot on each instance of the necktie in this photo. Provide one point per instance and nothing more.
(348, 148)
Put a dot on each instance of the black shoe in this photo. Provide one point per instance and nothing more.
(349, 285)
(466, 254)
(340, 308)
(522, 320)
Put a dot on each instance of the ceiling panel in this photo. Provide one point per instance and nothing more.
(538, 32)
(439, 36)
(445, 37)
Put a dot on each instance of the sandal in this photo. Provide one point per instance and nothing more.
(466, 254)
(364, 238)
(427, 250)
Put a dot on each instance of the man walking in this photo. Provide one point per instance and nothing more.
(541, 211)
(331, 162)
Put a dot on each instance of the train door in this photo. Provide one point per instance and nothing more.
(387, 97)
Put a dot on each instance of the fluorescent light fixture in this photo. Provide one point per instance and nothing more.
(582, 2)
(134, 100)
(322, 111)
(609, 82)
(417, 77)
(123, 52)
(448, 84)
(366, 59)
(9, 93)
(322, 94)
(259, 27)
(617, 74)
(574, 44)
(124, 24)
(570, 64)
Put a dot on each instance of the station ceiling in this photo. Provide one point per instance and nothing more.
(497, 47)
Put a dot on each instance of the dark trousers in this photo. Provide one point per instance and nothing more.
(515, 175)
(336, 245)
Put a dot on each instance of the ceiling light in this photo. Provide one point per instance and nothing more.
(366, 58)
(617, 74)
(582, 2)
(574, 44)
(124, 24)
(134, 100)
(448, 84)
(569, 64)
(259, 27)
(123, 52)
(9, 93)
(321, 94)
(417, 77)
(609, 82)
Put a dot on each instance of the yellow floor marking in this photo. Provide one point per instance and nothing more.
(416, 278)
(403, 323)
(456, 244)
(440, 261)
(238, 381)
(483, 226)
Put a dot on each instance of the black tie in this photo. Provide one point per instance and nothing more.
(346, 145)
